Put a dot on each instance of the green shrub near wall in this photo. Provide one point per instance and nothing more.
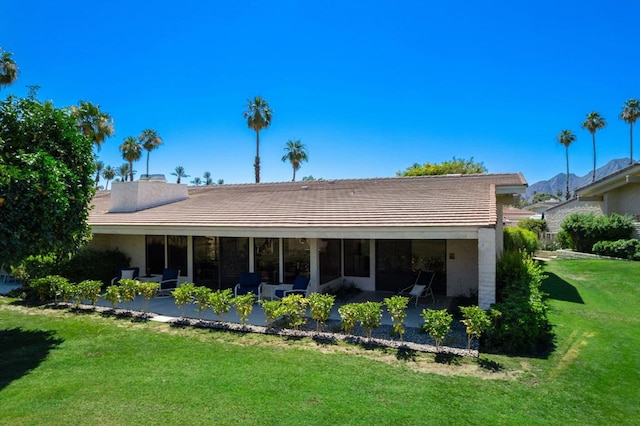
(520, 239)
(624, 249)
(586, 229)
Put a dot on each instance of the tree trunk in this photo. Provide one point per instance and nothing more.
(256, 165)
(593, 178)
(148, 152)
(567, 194)
(630, 143)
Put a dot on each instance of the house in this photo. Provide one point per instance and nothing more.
(375, 233)
(513, 215)
(618, 192)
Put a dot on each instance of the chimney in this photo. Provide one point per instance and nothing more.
(144, 194)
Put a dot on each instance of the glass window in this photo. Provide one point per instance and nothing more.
(266, 259)
(296, 258)
(330, 260)
(154, 254)
(234, 260)
(356, 258)
(177, 253)
(206, 263)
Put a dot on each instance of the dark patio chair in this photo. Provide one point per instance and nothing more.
(300, 286)
(169, 282)
(126, 273)
(250, 282)
(421, 287)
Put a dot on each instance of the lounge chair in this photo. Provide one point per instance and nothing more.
(126, 273)
(250, 282)
(168, 283)
(300, 286)
(421, 287)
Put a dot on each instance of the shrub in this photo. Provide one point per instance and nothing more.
(147, 290)
(244, 305)
(537, 226)
(220, 302)
(397, 308)
(520, 239)
(202, 298)
(475, 321)
(624, 249)
(112, 295)
(44, 287)
(564, 240)
(272, 310)
(128, 290)
(437, 324)
(90, 290)
(370, 315)
(587, 229)
(348, 316)
(182, 295)
(320, 306)
(293, 307)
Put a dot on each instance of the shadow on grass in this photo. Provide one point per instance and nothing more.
(23, 350)
(405, 354)
(324, 341)
(449, 359)
(559, 289)
(489, 365)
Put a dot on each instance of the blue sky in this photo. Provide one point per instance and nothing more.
(369, 87)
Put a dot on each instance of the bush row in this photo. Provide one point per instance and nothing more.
(624, 249)
(585, 230)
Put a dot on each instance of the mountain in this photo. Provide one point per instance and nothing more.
(559, 181)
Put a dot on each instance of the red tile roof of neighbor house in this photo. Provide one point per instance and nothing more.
(433, 201)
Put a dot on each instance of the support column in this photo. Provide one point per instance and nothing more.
(314, 265)
(500, 229)
(486, 267)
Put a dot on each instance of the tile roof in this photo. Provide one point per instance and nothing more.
(433, 201)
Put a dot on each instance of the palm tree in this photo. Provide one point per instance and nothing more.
(92, 122)
(131, 151)
(630, 112)
(150, 140)
(8, 69)
(258, 116)
(566, 138)
(207, 178)
(108, 173)
(196, 181)
(593, 123)
(220, 181)
(296, 154)
(99, 165)
(180, 173)
(123, 172)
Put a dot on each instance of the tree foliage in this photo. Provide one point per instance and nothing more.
(8, 69)
(587, 229)
(46, 180)
(455, 166)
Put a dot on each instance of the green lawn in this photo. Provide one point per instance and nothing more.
(58, 367)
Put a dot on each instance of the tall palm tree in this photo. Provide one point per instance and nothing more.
(630, 112)
(123, 172)
(296, 154)
(566, 138)
(150, 140)
(92, 122)
(258, 116)
(108, 173)
(196, 181)
(593, 123)
(180, 172)
(131, 151)
(8, 69)
(99, 165)
(207, 178)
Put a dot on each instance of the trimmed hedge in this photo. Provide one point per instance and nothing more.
(587, 229)
(516, 239)
(624, 249)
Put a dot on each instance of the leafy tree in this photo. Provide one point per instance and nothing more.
(539, 226)
(46, 180)
(99, 166)
(258, 116)
(8, 69)
(93, 123)
(540, 197)
(296, 154)
(475, 321)
(220, 181)
(180, 173)
(196, 181)
(566, 138)
(108, 173)
(397, 308)
(320, 306)
(593, 123)
(630, 113)
(455, 166)
(207, 178)
(150, 140)
(131, 151)
(123, 172)
(437, 324)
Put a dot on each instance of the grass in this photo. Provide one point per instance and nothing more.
(59, 367)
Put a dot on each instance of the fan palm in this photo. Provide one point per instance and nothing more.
(108, 173)
(8, 69)
(123, 172)
(150, 140)
(296, 154)
(196, 181)
(593, 123)
(630, 112)
(180, 172)
(92, 122)
(566, 138)
(207, 178)
(99, 165)
(258, 116)
(131, 151)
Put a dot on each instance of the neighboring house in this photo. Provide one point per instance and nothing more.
(541, 207)
(617, 193)
(513, 215)
(375, 233)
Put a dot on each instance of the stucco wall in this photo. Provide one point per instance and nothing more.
(624, 200)
(139, 195)
(555, 216)
(486, 267)
(462, 270)
(131, 245)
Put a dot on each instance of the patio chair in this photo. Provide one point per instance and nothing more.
(421, 287)
(126, 273)
(168, 283)
(250, 282)
(300, 286)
